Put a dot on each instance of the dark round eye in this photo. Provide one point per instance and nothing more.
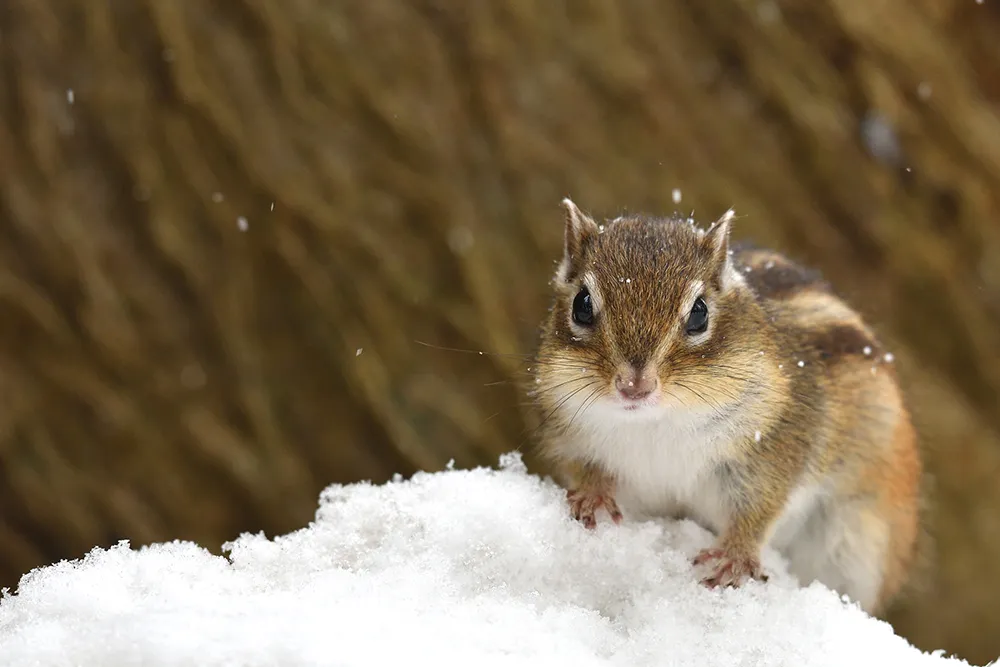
(583, 309)
(698, 319)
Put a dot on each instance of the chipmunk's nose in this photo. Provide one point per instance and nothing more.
(634, 385)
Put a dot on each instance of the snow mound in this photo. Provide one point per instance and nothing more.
(462, 567)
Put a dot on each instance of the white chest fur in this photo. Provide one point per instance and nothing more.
(663, 461)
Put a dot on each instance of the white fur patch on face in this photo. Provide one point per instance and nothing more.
(694, 290)
(562, 271)
(590, 280)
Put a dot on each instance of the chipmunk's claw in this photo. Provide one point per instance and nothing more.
(728, 568)
(585, 504)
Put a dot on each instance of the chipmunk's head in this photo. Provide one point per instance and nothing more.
(649, 315)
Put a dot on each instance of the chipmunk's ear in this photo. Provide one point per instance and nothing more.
(717, 244)
(580, 228)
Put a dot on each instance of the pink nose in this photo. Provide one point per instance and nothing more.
(633, 386)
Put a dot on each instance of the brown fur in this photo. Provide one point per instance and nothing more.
(785, 357)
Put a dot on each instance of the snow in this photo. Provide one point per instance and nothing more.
(460, 567)
(880, 138)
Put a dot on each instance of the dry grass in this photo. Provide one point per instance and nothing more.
(164, 374)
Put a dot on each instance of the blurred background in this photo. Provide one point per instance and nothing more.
(224, 226)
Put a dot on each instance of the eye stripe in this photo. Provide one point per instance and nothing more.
(694, 290)
(590, 282)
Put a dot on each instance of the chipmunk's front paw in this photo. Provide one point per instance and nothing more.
(729, 567)
(584, 503)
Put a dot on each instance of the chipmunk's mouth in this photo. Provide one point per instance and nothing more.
(638, 404)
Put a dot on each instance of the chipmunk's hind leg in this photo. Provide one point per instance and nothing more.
(844, 548)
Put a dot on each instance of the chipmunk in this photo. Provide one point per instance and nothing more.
(732, 387)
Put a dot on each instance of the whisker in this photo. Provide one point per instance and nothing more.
(674, 396)
(480, 352)
(541, 390)
(711, 404)
(558, 405)
(587, 404)
(529, 358)
(730, 372)
(596, 391)
(704, 386)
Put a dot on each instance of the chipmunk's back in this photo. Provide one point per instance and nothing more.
(864, 440)
(814, 323)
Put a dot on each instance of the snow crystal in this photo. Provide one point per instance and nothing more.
(459, 567)
(217, 197)
(801, 363)
(676, 194)
(880, 138)
(757, 436)
(70, 97)
(867, 350)
(242, 223)
(888, 357)
(357, 352)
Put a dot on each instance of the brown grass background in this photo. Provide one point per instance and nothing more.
(164, 374)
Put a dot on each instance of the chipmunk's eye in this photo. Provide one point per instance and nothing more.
(698, 319)
(583, 308)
